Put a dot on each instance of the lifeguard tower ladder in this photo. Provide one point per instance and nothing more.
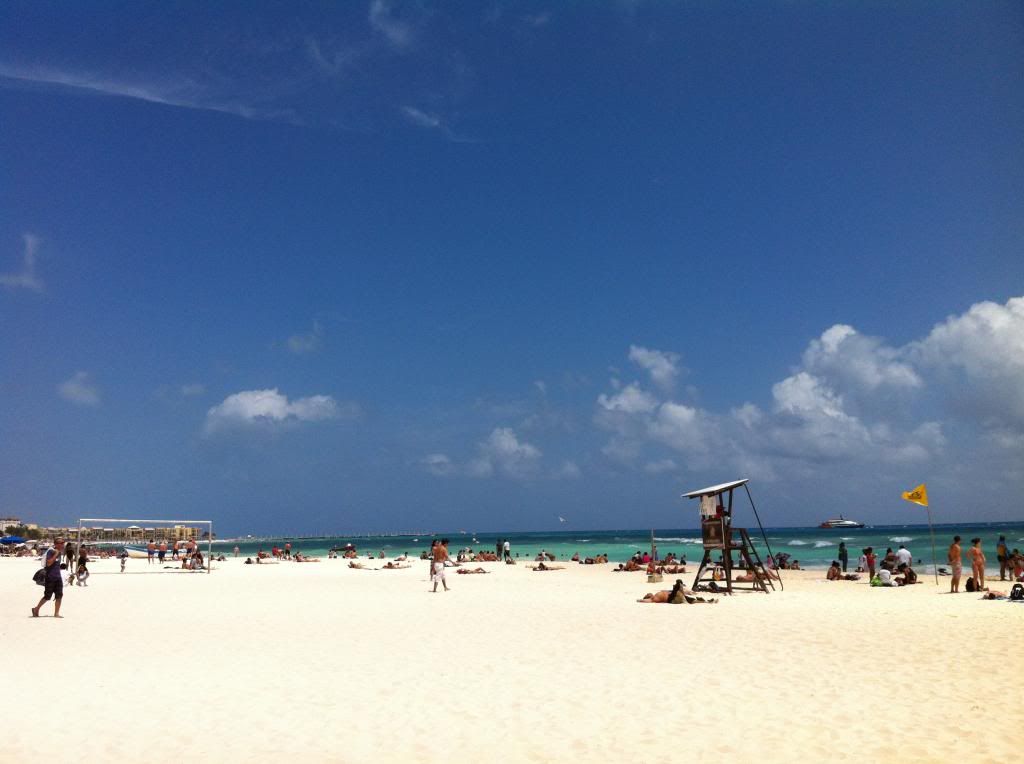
(718, 535)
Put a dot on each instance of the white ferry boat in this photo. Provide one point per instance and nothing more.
(841, 522)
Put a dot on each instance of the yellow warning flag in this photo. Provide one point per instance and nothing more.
(919, 495)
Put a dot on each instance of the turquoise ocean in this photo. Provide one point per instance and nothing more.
(813, 547)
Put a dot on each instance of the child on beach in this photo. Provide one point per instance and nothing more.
(82, 573)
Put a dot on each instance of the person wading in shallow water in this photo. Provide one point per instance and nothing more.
(54, 584)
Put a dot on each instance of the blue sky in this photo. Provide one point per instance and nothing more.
(388, 265)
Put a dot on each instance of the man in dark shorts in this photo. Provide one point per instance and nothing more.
(54, 584)
(1003, 555)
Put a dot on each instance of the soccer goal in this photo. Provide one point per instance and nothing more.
(134, 536)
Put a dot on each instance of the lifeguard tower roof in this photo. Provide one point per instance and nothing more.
(714, 490)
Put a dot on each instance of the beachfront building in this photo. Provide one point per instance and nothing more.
(9, 522)
(132, 534)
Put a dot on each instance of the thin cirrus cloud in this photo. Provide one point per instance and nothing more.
(181, 92)
(399, 33)
(80, 390)
(303, 344)
(271, 408)
(26, 278)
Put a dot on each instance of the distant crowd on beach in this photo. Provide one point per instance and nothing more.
(63, 565)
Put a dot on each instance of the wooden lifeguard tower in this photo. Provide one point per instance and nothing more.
(718, 535)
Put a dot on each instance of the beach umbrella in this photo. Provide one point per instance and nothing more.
(12, 540)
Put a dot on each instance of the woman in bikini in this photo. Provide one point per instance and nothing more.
(977, 556)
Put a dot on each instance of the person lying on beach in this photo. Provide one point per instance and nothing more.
(300, 557)
(248, 561)
(835, 574)
(392, 566)
(677, 595)
(356, 565)
(468, 572)
(402, 558)
(672, 569)
(540, 566)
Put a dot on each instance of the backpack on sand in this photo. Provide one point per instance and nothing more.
(1017, 592)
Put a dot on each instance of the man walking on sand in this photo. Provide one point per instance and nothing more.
(507, 549)
(439, 554)
(54, 584)
(956, 562)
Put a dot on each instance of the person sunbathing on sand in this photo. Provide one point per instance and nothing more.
(540, 566)
(468, 572)
(392, 566)
(677, 595)
(357, 565)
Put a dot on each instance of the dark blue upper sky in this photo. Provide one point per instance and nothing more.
(297, 267)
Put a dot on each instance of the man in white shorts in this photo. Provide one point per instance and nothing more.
(439, 554)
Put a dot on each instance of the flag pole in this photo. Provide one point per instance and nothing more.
(935, 565)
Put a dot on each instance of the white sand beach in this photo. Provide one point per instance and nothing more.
(327, 663)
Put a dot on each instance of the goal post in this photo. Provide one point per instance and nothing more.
(136, 534)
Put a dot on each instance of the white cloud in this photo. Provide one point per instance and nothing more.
(182, 92)
(26, 278)
(856, 362)
(568, 471)
(804, 394)
(80, 389)
(508, 455)
(501, 453)
(438, 464)
(660, 466)
(192, 390)
(678, 426)
(421, 118)
(984, 347)
(631, 399)
(301, 344)
(663, 367)
(251, 407)
(538, 19)
(382, 18)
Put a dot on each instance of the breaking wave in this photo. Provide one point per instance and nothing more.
(901, 539)
(822, 544)
(679, 539)
(797, 542)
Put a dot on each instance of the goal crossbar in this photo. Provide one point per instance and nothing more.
(207, 523)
